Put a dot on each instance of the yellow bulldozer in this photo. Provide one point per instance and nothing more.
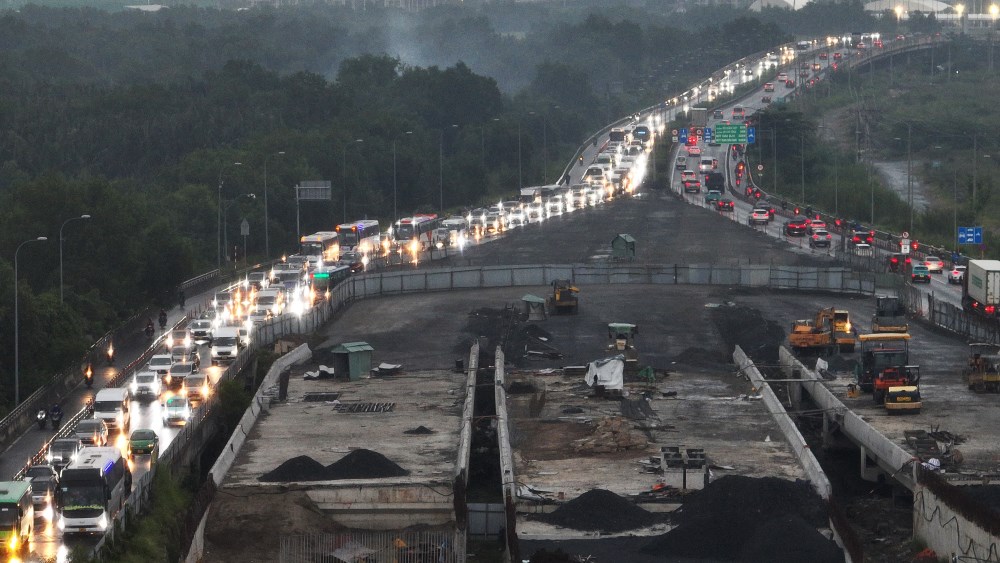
(829, 332)
(983, 373)
(564, 297)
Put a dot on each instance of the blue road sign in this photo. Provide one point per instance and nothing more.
(682, 135)
(970, 235)
(751, 135)
(707, 132)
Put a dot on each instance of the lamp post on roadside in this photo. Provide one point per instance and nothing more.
(61, 252)
(344, 169)
(267, 239)
(218, 241)
(17, 364)
(395, 214)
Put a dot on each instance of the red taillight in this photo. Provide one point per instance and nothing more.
(895, 260)
(828, 237)
(908, 260)
(815, 237)
(990, 309)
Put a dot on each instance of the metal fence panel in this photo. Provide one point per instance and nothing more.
(529, 276)
(755, 275)
(374, 547)
(485, 520)
(497, 277)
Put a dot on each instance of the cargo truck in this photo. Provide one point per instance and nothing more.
(699, 117)
(981, 287)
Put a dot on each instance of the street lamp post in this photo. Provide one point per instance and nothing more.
(959, 9)
(218, 241)
(225, 221)
(344, 163)
(61, 252)
(267, 239)
(994, 12)
(395, 215)
(520, 182)
(17, 365)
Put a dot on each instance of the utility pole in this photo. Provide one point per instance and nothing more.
(975, 159)
(909, 171)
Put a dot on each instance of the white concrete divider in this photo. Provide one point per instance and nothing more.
(891, 458)
(817, 477)
(259, 403)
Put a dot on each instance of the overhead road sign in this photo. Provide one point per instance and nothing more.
(730, 134)
(970, 235)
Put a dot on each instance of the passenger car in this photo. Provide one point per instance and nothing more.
(957, 274)
(145, 385)
(863, 249)
(160, 364)
(897, 261)
(176, 410)
(62, 451)
(694, 151)
(688, 175)
(796, 226)
(143, 441)
(711, 196)
(724, 205)
(201, 330)
(759, 216)
(920, 273)
(934, 264)
(815, 224)
(91, 432)
(178, 372)
(837, 56)
(692, 186)
(353, 260)
(44, 483)
(179, 337)
(820, 238)
(196, 387)
(681, 162)
(717, 114)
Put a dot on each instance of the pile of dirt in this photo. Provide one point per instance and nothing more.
(600, 510)
(612, 434)
(359, 464)
(301, 468)
(734, 518)
(419, 430)
(364, 464)
(745, 327)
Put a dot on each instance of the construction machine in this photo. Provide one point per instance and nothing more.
(983, 373)
(622, 339)
(896, 388)
(890, 315)
(830, 331)
(564, 298)
(880, 352)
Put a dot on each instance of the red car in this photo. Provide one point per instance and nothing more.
(724, 205)
(796, 227)
(823, 56)
(837, 56)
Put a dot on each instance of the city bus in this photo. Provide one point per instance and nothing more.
(92, 490)
(362, 236)
(319, 247)
(328, 277)
(418, 228)
(17, 516)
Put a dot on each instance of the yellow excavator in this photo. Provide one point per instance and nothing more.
(564, 297)
(830, 331)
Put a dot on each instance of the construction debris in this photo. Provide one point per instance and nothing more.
(612, 434)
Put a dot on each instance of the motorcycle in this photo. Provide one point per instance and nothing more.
(163, 321)
(149, 331)
(42, 417)
(88, 376)
(56, 418)
(111, 354)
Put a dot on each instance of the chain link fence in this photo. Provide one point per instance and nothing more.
(374, 547)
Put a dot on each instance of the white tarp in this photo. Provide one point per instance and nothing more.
(608, 373)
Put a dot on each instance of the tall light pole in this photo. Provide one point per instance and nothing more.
(344, 162)
(520, 182)
(61, 252)
(395, 214)
(17, 365)
(267, 223)
(994, 12)
(218, 241)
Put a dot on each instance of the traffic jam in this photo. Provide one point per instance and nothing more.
(78, 485)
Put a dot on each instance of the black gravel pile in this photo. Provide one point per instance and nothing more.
(520, 387)
(419, 430)
(600, 510)
(745, 327)
(301, 468)
(731, 519)
(364, 464)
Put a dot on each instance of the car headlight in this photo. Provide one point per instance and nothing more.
(102, 522)
(48, 457)
(61, 523)
(134, 387)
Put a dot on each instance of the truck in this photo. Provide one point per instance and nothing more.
(699, 117)
(890, 315)
(981, 287)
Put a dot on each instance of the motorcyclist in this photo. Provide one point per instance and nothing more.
(55, 413)
(163, 318)
(150, 329)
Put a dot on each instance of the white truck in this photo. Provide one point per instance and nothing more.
(225, 345)
(981, 288)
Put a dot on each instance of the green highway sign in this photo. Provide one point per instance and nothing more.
(730, 134)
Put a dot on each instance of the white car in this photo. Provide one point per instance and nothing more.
(957, 274)
(863, 249)
(759, 216)
(145, 384)
(176, 410)
(160, 364)
(934, 264)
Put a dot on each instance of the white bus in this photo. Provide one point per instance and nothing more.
(419, 228)
(322, 246)
(361, 236)
(92, 490)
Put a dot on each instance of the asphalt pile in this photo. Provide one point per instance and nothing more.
(743, 326)
(419, 430)
(359, 464)
(750, 519)
(986, 495)
(599, 510)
